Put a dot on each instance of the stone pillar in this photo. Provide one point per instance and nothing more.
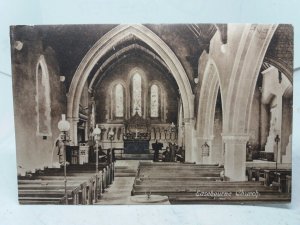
(235, 156)
(180, 126)
(197, 150)
(212, 156)
(188, 140)
(180, 135)
(73, 130)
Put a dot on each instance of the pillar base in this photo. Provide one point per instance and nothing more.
(188, 140)
(235, 156)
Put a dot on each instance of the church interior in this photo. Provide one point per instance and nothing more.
(153, 113)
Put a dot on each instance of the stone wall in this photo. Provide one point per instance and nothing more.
(280, 50)
(287, 115)
(121, 73)
(33, 150)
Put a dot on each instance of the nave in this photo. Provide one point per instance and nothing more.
(178, 183)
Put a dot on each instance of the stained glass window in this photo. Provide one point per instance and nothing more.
(137, 94)
(119, 100)
(154, 100)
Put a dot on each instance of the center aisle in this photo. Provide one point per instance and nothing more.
(120, 191)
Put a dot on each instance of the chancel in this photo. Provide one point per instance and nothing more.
(166, 114)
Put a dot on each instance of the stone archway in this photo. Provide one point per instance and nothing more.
(249, 58)
(103, 45)
(115, 56)
(210, 86)
(252, 50)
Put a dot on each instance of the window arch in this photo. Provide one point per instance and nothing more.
(119, 101)
(43, 101)
(137, 94)
(154, 101)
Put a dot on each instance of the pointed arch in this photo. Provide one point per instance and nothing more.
(106, 43)
(209, 90)
(207, 101)
(43, 100)
(117, 55)
(252, 48)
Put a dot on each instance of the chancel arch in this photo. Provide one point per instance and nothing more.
(106, 43)
(116, 57)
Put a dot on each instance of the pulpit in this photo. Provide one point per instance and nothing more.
(137, 135)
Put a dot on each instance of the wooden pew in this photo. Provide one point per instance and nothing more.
(83, 185)
(279, 180)
(48, 193)
(93, 183)
(181, 183)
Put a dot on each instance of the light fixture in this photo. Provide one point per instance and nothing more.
(96, 131)
(64, 127)
(96, 134)
(18, 45)
(62, 78)
(277, 140)
(111, 137)
(63, 124)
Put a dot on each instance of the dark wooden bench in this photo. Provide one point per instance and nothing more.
(278, 178)
(182, 182)
(50, 193)
(84, 186)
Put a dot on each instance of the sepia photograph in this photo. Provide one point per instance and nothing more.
(160, 114)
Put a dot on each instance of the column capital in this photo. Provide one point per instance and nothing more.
(236, 138)
(210, 138)
(73, 119)
(188, 120)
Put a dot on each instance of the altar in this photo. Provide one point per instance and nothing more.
(137, 135)
(136, 147)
